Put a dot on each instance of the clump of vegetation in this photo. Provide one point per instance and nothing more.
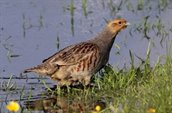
(8, 85)
(142, 89)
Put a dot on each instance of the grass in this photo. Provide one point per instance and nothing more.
(7, 85)
(84, 7)
(137, 89)
(142, 89)
(140, 4)
(72, 10)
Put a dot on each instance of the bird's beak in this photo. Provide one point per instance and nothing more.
(127, 24)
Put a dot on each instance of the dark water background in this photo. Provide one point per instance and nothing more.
(32, 30)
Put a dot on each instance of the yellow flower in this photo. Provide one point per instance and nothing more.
(13, 106)
(151, 110)
(98, 108)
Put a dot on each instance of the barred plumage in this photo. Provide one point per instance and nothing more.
(77, 63)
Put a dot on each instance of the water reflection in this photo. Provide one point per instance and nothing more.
(63, 104)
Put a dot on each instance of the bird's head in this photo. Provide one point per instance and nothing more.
(117, 25)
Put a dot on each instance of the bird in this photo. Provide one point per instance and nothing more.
(78, 63)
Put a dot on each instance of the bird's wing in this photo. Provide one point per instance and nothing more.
(71, 55)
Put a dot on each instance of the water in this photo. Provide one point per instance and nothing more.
(30, 31)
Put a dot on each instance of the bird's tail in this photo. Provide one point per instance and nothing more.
(41, 69)
(30, 70)
(38, 69)
(33, 69)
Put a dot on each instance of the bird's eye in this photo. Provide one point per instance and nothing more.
(119, 23)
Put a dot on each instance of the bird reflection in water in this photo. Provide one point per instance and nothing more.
(63, 104)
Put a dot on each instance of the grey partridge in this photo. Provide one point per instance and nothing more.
(77, 63)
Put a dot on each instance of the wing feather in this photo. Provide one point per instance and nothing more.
(71, 55)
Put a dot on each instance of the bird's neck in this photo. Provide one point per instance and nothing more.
(106, 38)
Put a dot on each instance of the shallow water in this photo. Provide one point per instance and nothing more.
(30, 31)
